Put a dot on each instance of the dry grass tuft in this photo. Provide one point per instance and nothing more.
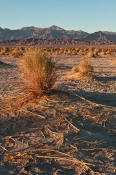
(16, 52)
(113, 62)
(75, 69)
(90, 54)
(39, 70)
(84, 68)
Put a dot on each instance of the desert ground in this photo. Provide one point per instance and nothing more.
(71, 131)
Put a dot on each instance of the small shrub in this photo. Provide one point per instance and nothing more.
(85, 68)
(16, 52)
(75, 69)
(4, 51)
(102, 53)
(113, 62)
(90, 54)
(40, 71)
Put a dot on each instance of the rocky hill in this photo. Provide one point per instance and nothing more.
(54, 35)
(101, 36)
(52, 32)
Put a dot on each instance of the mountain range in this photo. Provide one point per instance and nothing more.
(55, 33)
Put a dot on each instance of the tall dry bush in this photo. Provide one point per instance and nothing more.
(39, 70)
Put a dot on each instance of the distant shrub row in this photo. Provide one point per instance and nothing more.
(92, 52)
(39, 67)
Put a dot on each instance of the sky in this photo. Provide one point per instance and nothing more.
(87, 15)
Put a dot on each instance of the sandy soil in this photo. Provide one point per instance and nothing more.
(72, 131)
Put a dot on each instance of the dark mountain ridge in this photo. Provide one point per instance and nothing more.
(101, 36)
(54, 35)
(52, 32)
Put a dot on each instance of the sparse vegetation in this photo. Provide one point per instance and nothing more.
(75, 69)
(65, 131)
(40, 71)
(16, 52)
(113, 62)
(91, 52)
(84, 68)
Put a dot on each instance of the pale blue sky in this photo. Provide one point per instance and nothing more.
(87, 15)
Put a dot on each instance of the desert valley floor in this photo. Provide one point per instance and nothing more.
(71, 131)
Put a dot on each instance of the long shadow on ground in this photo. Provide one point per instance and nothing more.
(105, 79)
(100, 98)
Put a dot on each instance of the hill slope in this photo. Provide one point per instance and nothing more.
(52, 32)
(101, 36)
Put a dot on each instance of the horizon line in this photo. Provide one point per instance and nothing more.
(19, 28)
